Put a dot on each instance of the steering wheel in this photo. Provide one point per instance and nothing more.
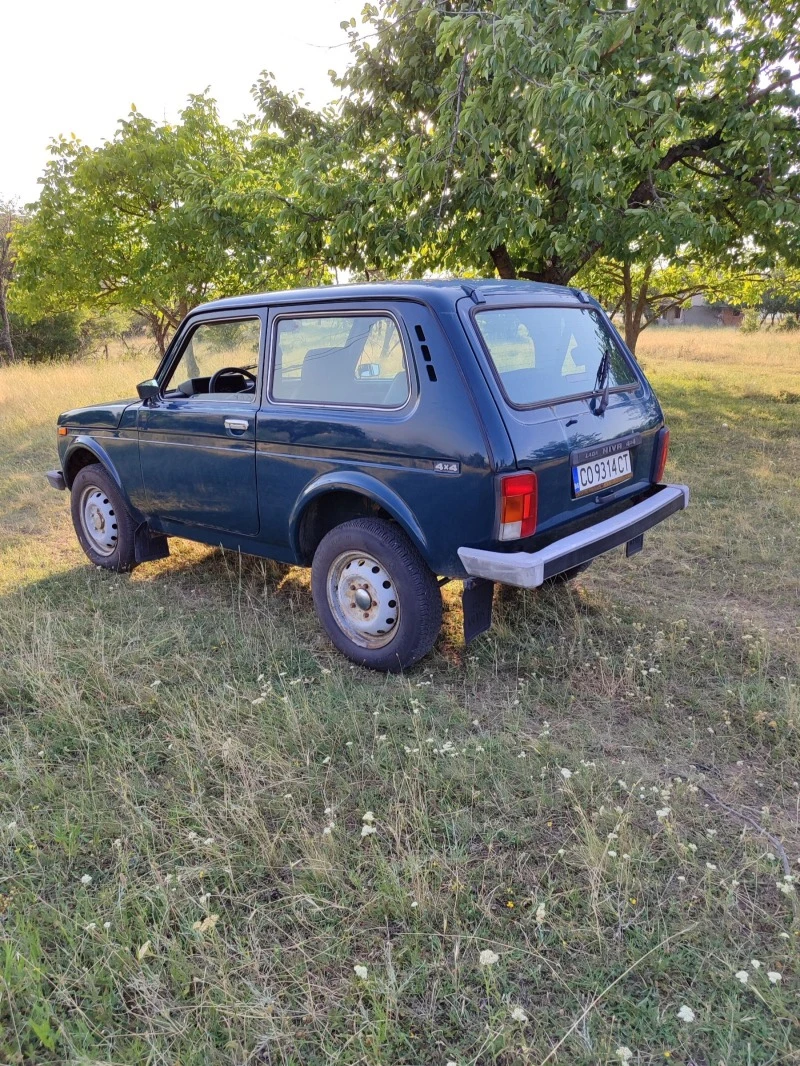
(212, 385)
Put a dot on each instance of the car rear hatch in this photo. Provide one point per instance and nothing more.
(576, 406)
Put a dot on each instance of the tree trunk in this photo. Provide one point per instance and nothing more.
(502, 262)
(5, 335)
(631, 311)
(159, 327)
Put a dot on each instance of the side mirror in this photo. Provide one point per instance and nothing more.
(369, 370)
(148, 390)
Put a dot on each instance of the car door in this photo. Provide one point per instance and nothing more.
(197, 438)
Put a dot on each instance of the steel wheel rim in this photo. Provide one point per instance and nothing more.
(99, 520)
(363, 599)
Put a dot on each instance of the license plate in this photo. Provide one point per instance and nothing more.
(599, 473)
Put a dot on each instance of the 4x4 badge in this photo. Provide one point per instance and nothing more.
(442, 466)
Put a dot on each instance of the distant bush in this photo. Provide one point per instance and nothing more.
(52, 337)
(790, 324)
(751, 322)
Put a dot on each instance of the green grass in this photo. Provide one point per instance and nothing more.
(184, 735)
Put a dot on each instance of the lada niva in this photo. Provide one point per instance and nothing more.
(389, 436)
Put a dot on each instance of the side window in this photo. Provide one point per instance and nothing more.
(354, 360)
(219, 359)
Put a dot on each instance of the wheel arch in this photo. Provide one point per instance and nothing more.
(84, 451)
(333, 499)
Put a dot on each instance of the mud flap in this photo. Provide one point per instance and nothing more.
(634, 546)
(476, 604)
(148, 545)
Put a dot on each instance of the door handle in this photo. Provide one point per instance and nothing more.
(236, 425)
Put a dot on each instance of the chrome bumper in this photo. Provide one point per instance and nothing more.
(530, 569)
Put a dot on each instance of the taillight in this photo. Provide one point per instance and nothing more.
(662, 451)
(519, 498)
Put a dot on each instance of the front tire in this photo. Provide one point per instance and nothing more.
(102, 522)
(375, 596)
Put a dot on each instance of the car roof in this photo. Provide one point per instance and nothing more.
(438, 293)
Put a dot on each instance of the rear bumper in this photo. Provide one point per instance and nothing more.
(56, 479)
(530, 569)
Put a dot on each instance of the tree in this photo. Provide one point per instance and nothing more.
(532, 135)
(641, 292)
(10, 217)
(157, 220)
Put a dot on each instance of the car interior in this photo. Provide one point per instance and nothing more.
(341, 374)
(368, 369)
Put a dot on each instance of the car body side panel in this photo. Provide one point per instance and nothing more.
(301, 447)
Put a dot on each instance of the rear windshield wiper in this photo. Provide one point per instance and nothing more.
(602, 381)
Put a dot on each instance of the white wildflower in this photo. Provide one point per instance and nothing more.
(86, 879)
(326, 760)
(612, 854)
(360, 972)
(541, 912)
(662, 813)
(774, 977)
(756, 964)
(488, 957)
(90, 927)
(519, 1015)
(686, 1014)
(785, 886)
(711, 866)
(624, 1054)
(743, 976)
(369, 817)
(368, 830)
(106, 925)
(565, 773)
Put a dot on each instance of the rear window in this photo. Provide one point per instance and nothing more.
(549, 353)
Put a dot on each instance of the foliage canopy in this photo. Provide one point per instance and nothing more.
(533, 134)
(159, 219)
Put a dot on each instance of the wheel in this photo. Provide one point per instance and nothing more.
(566, 575)
(102, 522)
(378, 601)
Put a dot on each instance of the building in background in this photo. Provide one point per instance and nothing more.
(702, 313)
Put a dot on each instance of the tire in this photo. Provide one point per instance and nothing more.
(566, 575)
(400, 613)
(103, 523)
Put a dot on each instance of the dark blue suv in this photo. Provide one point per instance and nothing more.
(389, 436)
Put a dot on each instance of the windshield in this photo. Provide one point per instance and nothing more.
(549, 353)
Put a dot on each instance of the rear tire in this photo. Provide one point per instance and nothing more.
(103, 524)
(375, 596)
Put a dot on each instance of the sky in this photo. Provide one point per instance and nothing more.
(76, 66)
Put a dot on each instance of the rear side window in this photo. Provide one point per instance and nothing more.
(548, 353)
(352, 360)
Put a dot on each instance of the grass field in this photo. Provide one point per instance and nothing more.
(601, 793)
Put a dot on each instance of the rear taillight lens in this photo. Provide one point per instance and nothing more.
(662, 451)
(519, 499)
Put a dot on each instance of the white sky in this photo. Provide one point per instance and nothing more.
(76, 66)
